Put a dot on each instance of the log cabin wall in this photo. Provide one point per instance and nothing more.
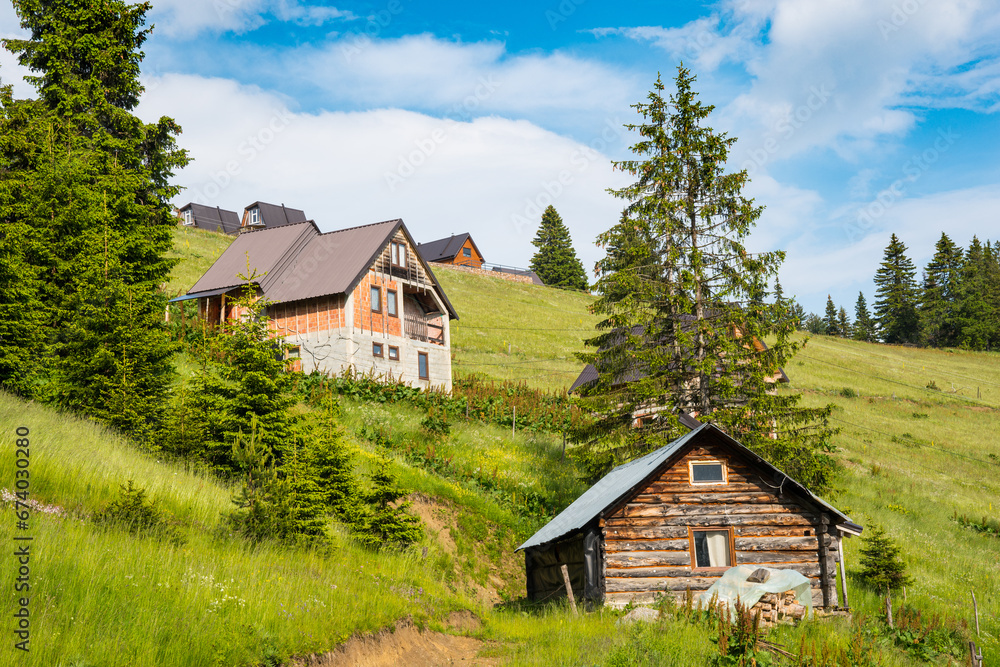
(648, 541)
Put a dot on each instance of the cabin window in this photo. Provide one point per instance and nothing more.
(712, 548)
(255, 216)
(398, 251)
(188, 218)
(376, 300)
(467, 252)
(376, 349)
(390, 303)
(422, 370)
(394, 353)
(708, 472)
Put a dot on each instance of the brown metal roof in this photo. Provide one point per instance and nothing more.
(301, 263)
(213, 218)
(447, 248)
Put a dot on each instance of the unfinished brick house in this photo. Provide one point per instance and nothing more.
(359, 298)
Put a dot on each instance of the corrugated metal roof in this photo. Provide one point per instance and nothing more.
(213, 218)
(274, 215)
(621, 481)
(199, 295)
(442, 249)
(298, 262)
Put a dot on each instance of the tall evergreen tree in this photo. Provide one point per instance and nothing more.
(843, 323)
(555, 262)
(976, 319)
(939, 296)
(896, 296)
(98, 208)
(830, 319)
(864, 325)
(681, 306)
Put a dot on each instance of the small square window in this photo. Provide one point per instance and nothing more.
(708, 472)
(390, 303)
(422, 369)
(376, 349)
(467, 252)
(394, 353)
(712, 548)
(376, 300)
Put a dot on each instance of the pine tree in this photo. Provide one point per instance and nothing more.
(843, 324)
(975, 316)
(382, 523)
(798, 315)
(896, 296)
(864, 326)
(681, 301)
(555, 262)
(95, 194)
(830, 321)
(334, 465)
(882, 568)
(939, 295)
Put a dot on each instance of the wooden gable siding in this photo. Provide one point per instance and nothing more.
(475, 260)
(325, 313)
(647, 541)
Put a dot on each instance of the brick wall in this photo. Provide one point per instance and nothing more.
(512, 277)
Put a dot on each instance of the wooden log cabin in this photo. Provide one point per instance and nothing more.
(458, 249)
(678, 518)
(360, 298)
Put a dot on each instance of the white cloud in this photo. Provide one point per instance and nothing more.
(491, 176)
(11, 72)
(184, 18)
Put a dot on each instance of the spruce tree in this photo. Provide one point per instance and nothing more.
(864, 325)
(384, 521)
(830, 320)
(681, 303)
(939, 295)
(98, 208)
(975, 315)
(555, 262)
(334, 464)
(843, 323)
(896, 296)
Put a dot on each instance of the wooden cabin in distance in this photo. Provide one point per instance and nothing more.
(458, 249)
(678, 518)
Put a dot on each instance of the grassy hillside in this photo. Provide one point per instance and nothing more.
(514, 331)
(197, 250)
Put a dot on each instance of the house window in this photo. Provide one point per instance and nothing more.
(708, 472)
(422, 366)
(390, 303)
(712, 548)
(255, 216)
(188, 218)
(376, 300)
(467, 252)
(376, 349)
(394, 353)
(398, 254)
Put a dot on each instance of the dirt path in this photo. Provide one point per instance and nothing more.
(407, 645)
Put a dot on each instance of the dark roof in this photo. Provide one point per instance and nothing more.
(445, 249)
(213, 218)
(624, 480)
(273, 215)
(298, 262)
(589, 373)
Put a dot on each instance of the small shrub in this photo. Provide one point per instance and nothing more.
(933, 385)
(882, 568)
(139, 515)
(847, 392)
(921, 415)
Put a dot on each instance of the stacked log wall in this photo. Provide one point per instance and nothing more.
(646, 541)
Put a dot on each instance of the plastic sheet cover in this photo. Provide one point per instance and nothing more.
(733, 586)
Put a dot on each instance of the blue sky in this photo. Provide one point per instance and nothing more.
(855, 118)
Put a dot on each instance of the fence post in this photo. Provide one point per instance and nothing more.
(569, 589)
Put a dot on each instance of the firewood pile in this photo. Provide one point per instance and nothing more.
(778, 608)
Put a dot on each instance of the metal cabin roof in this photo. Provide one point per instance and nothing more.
(298, 262)
(623, 480)
(442, 249)
(213, 218)
(274, 215)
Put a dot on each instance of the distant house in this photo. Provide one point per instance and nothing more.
(456, 249)
(261, 215)
(678, 518)
(211, 218)
(359, 298)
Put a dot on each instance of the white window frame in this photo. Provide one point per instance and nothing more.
(255, 217)
(188, 217)
(725, 472)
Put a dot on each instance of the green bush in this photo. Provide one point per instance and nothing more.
(139, 515)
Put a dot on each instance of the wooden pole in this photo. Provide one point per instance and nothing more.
(513, 423)
(843, 577)
(975, 607)
(569, 589)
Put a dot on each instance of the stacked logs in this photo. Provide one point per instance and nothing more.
(778, 608)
